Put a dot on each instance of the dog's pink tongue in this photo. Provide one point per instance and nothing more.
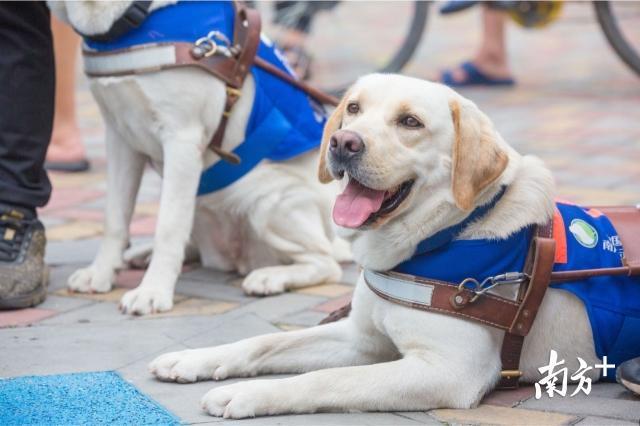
(355, 204)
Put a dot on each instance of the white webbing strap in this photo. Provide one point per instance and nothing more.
(398, 288)
(130, 61)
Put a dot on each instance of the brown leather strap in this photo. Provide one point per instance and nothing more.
(539, 266)
(488, 309)
(337, 315)
(316, 94)
(510, 357)
(245, 40)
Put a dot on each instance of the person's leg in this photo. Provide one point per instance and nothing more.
(491, 58)
(26, 102)
(27, 79)
(66, 151)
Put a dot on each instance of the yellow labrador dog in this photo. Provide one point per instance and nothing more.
(272, 225)
(415, 157)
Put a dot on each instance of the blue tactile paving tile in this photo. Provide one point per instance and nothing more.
(78, 399)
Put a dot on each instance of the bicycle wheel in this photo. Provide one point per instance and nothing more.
(355, 38)
(620, 22)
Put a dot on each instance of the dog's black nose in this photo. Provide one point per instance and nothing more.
(345, 144)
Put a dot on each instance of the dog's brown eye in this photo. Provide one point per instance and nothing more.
(410, 121)
(353, 108)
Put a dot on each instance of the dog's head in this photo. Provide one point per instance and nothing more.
(397, 142)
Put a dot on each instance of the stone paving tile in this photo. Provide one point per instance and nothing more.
(74, 180)
(493, 415)
(214, 289)
(74, 230)
(143, 226)
(329, 419)
(79, 214)
(304, 318)
(59, 275)
(587, 405)
(24, 316)
(63, 304)
(209, 275)
(424, 418)
(194, 306)
(326, 290)
(70, 197)
(333, 304)
(273, 307)
(54, 349)
(111, 296)
(148, 208)
(603, 421)
(509, 398)
(80, 252)
(93, 313)
(76, 348)
(237, 326)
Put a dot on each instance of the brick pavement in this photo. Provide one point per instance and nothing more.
(576, 106)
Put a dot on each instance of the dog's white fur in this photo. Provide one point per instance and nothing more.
(272, 225)
(386, 357)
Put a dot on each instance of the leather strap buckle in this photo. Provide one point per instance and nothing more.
(511, 374)
(232, 91)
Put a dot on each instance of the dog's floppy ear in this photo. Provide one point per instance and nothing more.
(333, 124)
(477, 160)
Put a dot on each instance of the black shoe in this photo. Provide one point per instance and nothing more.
(23, 274)
(628, 375)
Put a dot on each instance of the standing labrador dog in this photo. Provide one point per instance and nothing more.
(415, 158)
(271, 225)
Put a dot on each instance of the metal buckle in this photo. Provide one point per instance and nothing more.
(480, 288)
(204, 47)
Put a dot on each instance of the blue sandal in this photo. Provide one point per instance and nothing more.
(474, 77)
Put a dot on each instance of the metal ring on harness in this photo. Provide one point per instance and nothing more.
(204, 47)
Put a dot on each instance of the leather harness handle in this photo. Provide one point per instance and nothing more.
(247, 37)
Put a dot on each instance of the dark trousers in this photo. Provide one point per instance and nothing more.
(27, 81)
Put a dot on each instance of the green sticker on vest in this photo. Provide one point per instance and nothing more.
(584, 233)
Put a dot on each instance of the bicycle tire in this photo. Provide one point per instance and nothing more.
(408, 48)
(614, 36)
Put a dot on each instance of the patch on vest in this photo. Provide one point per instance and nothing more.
(584, 233)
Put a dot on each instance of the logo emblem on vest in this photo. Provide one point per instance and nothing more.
(584, 233)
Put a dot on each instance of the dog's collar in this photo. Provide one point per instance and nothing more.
(445, 236)
(131, 19)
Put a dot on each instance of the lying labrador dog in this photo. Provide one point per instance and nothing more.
(271, 224)
(415, 158)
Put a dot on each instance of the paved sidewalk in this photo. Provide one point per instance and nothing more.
(576, 106)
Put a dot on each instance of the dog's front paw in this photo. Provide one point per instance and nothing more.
(183, 367)
(191, 365)
(146, 300)
(90, 280)
(239, 400)
(265, 281)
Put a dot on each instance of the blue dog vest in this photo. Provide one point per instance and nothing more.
(585, 239)
(284, 121)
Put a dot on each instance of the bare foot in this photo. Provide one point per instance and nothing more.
(66, 145)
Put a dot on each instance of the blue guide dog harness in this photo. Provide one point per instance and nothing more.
(585, 239)
(284, 122)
